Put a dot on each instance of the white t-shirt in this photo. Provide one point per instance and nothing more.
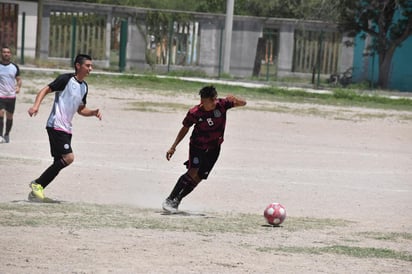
(70, 94)
(8, 74)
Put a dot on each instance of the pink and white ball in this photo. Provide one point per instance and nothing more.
(275, 214)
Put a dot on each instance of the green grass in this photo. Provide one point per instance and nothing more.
(344, 97)
(93, 216)
(352, 251)
(116, 216)
(389, 236)
(156, 106)
(151, 82)
(340, 97)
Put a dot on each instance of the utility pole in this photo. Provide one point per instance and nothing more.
(39, 25)
(228, 35)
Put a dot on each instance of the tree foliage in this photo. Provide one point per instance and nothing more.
(387, 22)
(301, 9)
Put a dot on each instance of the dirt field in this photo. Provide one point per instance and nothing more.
(344, 175)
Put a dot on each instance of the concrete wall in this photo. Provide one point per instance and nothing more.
(210, 46)
(401, 71)
(366, 66)
(286, 41)
(136, 45)
(245, 35)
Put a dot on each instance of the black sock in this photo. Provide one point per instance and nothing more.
(185, 191)
(9, 124)
(178, 187)
(183, 187)
(51, 172)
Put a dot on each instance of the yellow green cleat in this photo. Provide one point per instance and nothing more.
(36, 192)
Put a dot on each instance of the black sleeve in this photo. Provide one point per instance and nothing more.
(17, 70)
(60, 82)
(85, 95)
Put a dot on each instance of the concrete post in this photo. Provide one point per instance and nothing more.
(136, 45)
(228, 35)
(108, 37)
(209, 47)
(45, 34)
(286, 40)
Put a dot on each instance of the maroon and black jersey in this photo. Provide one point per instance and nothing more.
(209, 125)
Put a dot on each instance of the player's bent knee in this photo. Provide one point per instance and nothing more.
(68, 158)
(194, 175)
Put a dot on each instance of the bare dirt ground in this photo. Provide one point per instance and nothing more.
(344, 175)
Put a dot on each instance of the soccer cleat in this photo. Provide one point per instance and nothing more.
(170, 205)
(6, 138)
(36, 190)
(34, 199)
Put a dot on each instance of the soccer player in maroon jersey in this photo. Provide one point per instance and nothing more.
(209, 120)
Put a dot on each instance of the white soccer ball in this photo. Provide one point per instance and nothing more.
(275, 213)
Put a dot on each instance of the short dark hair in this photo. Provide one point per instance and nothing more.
(81, 58)
(208, 92)
(5, 47)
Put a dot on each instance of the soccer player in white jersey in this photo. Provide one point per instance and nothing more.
(10, 84)
(70, 97)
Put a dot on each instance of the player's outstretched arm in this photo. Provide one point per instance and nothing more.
(39, 98)
(182, 133)
(237, 101)
(84, 111)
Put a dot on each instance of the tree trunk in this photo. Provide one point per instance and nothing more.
(385, 61)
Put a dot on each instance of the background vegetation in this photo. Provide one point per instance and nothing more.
(303, 9)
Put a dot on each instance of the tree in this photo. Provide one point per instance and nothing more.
(387, 22)
(300, 9)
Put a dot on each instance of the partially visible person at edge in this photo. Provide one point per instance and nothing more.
(70, 97)
(10, 84)
(209, 120)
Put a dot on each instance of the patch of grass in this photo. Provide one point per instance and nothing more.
(340, 97)
(156, 106)
(149, 82)
(352, 251)
(343, 114)
(188, 73)
(306, 223)
(344, 97)
(366, 252)
(115, 216)
(388, 236)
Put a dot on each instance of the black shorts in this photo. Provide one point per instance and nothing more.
(202, 159)
(60, 142)
(8, 104)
